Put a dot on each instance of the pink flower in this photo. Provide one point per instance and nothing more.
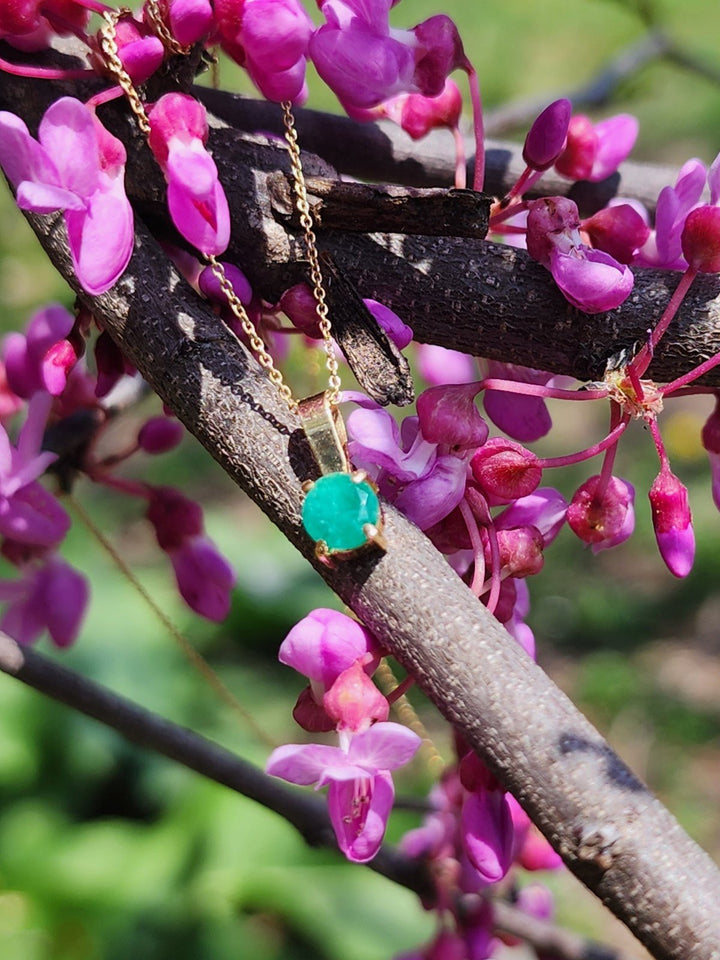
(546, 137)
(595, 151)
(196, 199)
(711, 442)
(418, 115)
(438, 365)
(664, 248)
(190, 20)
(270, 39)
(589, 279)
(524, 418)
(325, 643)
(619, 229)
(31, 24)
(398, 331)
(139, 49)
(52, 598)
(606, 519)
(41, 358)
(365, 61)
(700, 239)
(204, 577)
(77, 167)
(672, 521)
(361, 790)
(160, 434)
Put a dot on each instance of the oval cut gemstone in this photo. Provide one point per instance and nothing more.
(337, 508)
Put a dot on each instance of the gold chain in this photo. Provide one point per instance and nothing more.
(109, 47)
(311, 244)
(154, 15)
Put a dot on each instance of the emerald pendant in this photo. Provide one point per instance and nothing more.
(341, 513)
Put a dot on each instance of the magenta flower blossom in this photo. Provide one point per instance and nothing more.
(488, 834)
(619, 229)
(52, 598)
(190, 20)
(711, 442)
(204, 577)
(358, 771)
(418, 115)
(672, 521)
(325, 643)
(398, 331)
(140, 50)
(160, 434)
(664, 247)
(78, 167)
(589, 279)
(196, 200)
(546, 138)
(270, 39)
(31, 24)
(594, 151)
(700, 239)
(424, 480)
(28, 512)
(438, 365)
(41, 358)
(603, 520)
(524, 418)
(365, 61)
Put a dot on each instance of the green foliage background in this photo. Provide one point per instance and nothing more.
(108, 852)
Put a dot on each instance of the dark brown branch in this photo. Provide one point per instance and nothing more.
(306, 813)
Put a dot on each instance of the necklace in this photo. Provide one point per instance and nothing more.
(341, 510)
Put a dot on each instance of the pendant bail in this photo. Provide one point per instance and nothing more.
(325, 431)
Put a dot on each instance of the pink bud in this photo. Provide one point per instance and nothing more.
(672, 521)
(546, 137)
(448, 415)
(299, 306)
(418, 115)
(700, 239)
(160, 434)
(576, 160)
(325, 643)
(521, 551)
(354, 702)
(175, 517)
(711, 442)
(618, 230)
(506, 470)
(400, 333)
(190, 20)
(603, 517)
(176, 116)
(210, 285)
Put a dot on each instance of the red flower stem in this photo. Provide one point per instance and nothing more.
(112, 93)
(495, 578)
(474, 84)
(477, 545)
(644, 358)
(537, 390)
(611, 439)
(460, 160)
(691, 375)
(132, 488)
(42, 73)
(400, 690)
(659, 445)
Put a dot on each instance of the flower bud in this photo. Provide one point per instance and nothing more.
(506, 470)
(602, 517)
(618, 230)
(521, 551)
(700, 239)
(160, 434)
(711, 442)
(672, 521)
(299, 306)
(546, 137)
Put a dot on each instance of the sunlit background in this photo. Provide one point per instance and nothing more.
(107, 852)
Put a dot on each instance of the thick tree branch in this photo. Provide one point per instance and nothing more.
(306, 813)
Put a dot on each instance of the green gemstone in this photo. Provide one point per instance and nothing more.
(337, 508)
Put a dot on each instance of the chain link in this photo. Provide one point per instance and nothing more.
(256, 342)
(155, 16)
(306, 222)
(109, 47)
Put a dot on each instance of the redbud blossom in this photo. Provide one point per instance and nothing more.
(354, 702)
(521, 551)
(546, 137)
(711, 442)
(139, 49)
(418, 115)
(589, 279)
(506, 470)
(672, 521)
(196, 199)
(449, 415)
(299, 306)
(617, 229)
(325, 643)
(41, 358)
(602, 514)
(52, 598)
(700, 239)
(190, 20)
(78, 167)
(594, 151)
(160, 434)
